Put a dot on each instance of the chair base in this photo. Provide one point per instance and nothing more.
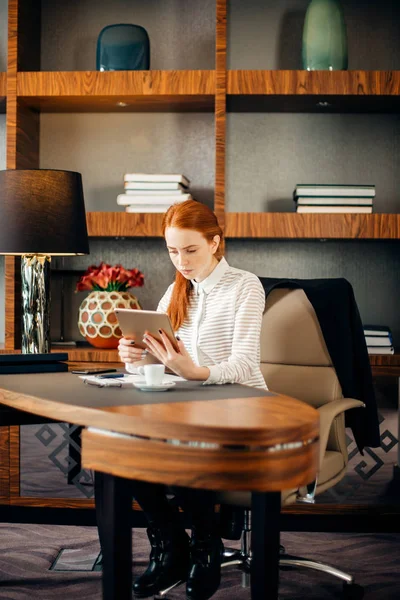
(234, 557)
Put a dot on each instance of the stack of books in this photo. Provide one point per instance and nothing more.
(327, 198)
(153, 192)
(379, 339)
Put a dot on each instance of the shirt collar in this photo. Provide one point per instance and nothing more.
(214, 277)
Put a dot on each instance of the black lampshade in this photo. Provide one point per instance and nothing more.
(42, 211)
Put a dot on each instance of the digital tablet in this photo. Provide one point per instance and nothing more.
(135, 323)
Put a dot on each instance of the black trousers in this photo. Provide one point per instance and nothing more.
(198, 504)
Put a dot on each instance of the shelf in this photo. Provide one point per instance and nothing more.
(388, 361)
(91, 354)
(313, 91)
(312, 226)
(381, 364)
(385, 365)
(3, 92)
(123, 224)
(257, 225)
(95, 91)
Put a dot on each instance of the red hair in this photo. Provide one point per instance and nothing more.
(189, 215)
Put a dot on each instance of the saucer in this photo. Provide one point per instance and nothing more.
(163, 387)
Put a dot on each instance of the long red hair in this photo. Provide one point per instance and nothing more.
(189, 215)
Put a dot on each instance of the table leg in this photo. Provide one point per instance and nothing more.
(265, 538)
(74, 452)
(114, 512)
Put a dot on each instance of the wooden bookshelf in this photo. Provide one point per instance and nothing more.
(117, 91)
(99, 355)
(312, 226)
(258, 225)
(30, 91)
(3, 92)
(382, 366)
(313, 91)
(84, 354)
(123, 224)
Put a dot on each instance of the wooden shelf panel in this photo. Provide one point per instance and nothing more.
(95, 91)
(312, 226)
(123, 224)
(257, 225)
(3, 92)
(385, 360)
(304, 91)
(97, 355)
(91, 354)
(381, 364)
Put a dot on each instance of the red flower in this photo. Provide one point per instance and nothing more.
(106, 277)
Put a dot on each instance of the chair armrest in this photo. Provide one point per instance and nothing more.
(327, 413)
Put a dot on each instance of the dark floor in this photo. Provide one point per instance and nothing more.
(27, 551)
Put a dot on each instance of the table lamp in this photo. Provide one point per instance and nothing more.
(42, 214)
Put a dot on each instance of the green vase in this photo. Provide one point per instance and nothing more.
(324, 37)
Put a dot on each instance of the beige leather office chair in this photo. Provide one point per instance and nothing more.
(295, 361)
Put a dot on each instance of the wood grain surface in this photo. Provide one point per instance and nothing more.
(312, 226)
(283, 83)
(258, 225)
(220, 469)
(313, 91)
(220, 112)
(95, 91)
(265, 420)
(3, 92)
(122, 224)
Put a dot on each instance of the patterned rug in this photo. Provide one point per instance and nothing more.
(28, 551)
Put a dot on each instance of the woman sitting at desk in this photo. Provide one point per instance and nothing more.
(216, 312)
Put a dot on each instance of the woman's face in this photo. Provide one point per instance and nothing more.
(190, 252)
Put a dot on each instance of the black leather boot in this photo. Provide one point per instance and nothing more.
(205, 571)
(169, 561)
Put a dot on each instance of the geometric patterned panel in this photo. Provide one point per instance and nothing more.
(66, 455)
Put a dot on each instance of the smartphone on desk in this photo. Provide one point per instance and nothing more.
(92, 371)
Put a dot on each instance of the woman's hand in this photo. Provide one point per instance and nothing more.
(128, 353)
(179, 362)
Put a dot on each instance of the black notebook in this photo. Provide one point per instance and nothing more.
(33, 363)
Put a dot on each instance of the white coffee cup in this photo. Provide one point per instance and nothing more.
(154, 374)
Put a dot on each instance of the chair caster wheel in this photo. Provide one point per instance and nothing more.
(352, 591)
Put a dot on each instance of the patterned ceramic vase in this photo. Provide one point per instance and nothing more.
(324, 37)
(97, 321)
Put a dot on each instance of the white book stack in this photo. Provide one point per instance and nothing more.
(330, 198)
(379, 339)
(153, 192)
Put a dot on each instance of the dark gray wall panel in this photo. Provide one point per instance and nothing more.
(371, 267)
(147, 254)
(105, 146)
(268, 153)
(265, 34)
(182, 32)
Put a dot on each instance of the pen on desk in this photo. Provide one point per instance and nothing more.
(111, 376)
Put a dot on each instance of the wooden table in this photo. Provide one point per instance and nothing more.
(212, 437)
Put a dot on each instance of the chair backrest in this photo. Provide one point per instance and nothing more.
(294, 357)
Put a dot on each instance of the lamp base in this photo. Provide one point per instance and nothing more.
(35, 292)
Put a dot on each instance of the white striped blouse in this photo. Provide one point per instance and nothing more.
(223, 325)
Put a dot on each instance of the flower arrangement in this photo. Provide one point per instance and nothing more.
(108, 278)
